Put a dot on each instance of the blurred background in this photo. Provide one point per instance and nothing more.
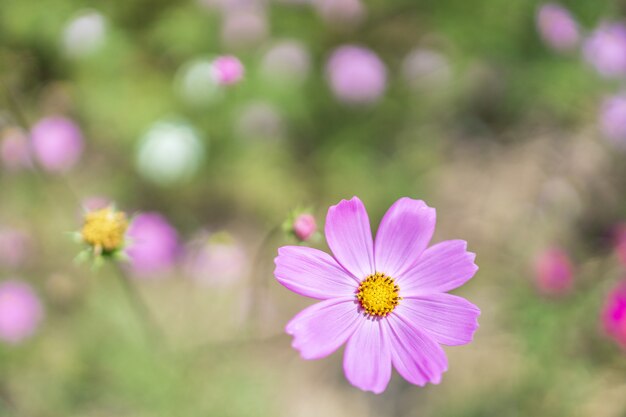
(217, 124)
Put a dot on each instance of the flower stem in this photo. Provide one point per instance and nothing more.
(151, 327)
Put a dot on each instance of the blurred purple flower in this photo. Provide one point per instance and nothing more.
(385, 299)
(605, 49)
(15, 247)
(613, 119)
(217, 260)
(304, 226)
(260, 121)
(57, 143)
(554, 272)
(227, 70)
(244, 28)
(614, 314)
(15, 150)
(153, 245)
(287, 60)
(426, 69)
(20, 311)
(557, 27)
(356, 74)
(340, 12)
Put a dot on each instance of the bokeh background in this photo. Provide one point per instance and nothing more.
(505, 116)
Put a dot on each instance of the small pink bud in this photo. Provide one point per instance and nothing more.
(304, 226)
(227, 70)
(554, 272)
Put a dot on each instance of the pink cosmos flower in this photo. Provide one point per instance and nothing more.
(227, 70)
(304, 226)
(557, 27)
(554, 271)
(356, 74)
(605, 49)
(57, 143)
(385, 299)
(153, 246)
(20, 311)
(614, 314)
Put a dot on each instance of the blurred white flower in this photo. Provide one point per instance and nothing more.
(196, 84)
(84, 34)
(169, 153)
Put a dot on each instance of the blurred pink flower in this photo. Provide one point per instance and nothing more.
(15, 150)
(217, 260)
(356, 74)
(614, 314)
(385, 299)
(605, 49)
(20, 311)
(153, 245)
(613, 119)
(244, 28)
(304, 226)
(15, 247)
(554, 273)
(340, 12)
(227, 70)
(57, 143)
(287, 60)
(557, 27)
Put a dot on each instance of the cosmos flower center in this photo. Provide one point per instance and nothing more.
(104, 229)
(378, 294)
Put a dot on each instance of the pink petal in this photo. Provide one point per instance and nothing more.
(313, 273)
(448, 319)
(404, 233)
(415, 355)
(349, 236)
(321, 329)
(442, 267)
(367, 358)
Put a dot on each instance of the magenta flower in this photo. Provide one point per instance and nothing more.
(227, 70)
(57, 143)
(605, 49)
(153, 246)
(20, 311)
(613, 119)
(614, 314)
(385, 299)
(356, 75)
(554, 272)
(557, 27)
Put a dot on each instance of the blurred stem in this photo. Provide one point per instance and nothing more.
(151, 327)
(259, 278)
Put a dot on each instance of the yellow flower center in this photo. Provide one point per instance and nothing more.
(378, 294)
(104, 229)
